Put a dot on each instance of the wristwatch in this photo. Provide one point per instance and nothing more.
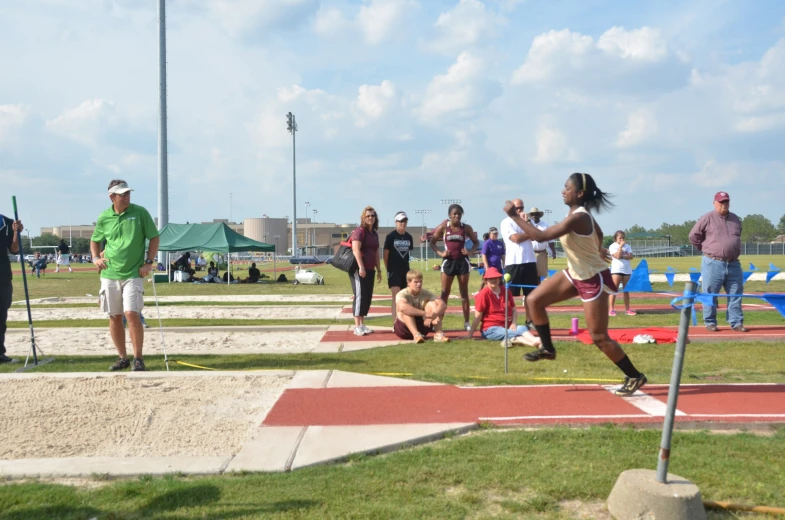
(148, 262)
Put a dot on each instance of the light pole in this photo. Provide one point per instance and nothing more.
(313, 230)
(275, 253)
(423, 256)
(305, 234)
(291, 125)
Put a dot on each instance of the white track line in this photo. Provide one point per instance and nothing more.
(644, 402)
(519, 417)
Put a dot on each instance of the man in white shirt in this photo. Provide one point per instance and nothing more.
(520, 264)
(541, 248)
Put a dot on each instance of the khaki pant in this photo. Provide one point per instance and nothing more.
(542, 263)
(117, 296)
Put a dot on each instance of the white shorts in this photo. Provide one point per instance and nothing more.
(64, 260)
(117, 296)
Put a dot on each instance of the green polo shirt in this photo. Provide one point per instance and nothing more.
(125, 236)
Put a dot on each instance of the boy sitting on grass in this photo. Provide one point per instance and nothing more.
(418, 311)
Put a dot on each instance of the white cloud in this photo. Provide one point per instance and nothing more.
(467, 24)
(645, 44)
(255, 17)
(462, 91)
(84, 123)
(379, 19)
(10, 116)
(641, 124)
(716, 175)
(552, 146)
(373, 101)
(560, 55)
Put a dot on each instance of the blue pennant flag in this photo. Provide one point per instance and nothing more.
(639, 281)
(695, 277)
(551, 272)
(752, 267)
(670, 277)
(777, 301)
(773, 271)
(746, 275)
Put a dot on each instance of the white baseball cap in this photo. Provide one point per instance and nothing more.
(120, 188)
(401, 216)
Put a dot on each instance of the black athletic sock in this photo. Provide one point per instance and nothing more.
(545, 336)
(626, 366)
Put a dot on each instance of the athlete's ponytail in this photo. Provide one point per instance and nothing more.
(593, 197)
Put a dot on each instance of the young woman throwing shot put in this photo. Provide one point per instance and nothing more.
(455, 255)
(587, 275)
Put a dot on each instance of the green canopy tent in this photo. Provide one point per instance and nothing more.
(216, 237)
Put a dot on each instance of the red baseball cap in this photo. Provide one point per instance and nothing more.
(492, 272)
(721, 196)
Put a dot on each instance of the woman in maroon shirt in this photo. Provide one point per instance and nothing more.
(365, 246)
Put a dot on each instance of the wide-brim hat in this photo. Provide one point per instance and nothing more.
(536, 211)
(491, 272)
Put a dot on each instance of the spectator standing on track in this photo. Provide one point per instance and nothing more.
(125, 227)
(397, 249)
(541, 249)
(9, 243)
(419, 312)
(621, 270)
(587, 275)
(456, 256)
(489, 313)
(63, 256)
(521, 264)
(718, 235)
(365, 246)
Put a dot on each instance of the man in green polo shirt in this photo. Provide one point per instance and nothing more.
(124, 266)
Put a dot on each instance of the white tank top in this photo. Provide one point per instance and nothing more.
(583, 252)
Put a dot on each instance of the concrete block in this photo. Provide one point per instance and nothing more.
(638, 496)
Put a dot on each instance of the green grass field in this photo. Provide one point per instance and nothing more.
(554, 473)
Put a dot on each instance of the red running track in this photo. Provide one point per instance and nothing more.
(645, 308)
(541, 405)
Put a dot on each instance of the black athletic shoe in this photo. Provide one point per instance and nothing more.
(631, 385)
(5, 359)
(536, 355)
(138, 365)
(120, 364)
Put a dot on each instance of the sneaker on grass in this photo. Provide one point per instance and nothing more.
(366, 329)
(441, 338)
(358, 331)
(419, 338)
(120, 364)
(631, 385)
(539, 354)
(138, 365)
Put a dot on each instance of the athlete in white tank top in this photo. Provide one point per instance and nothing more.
(588, 273)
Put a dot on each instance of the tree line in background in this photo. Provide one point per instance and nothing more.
(755, 228)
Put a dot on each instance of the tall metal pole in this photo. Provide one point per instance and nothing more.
(690, 289)
(313, 231)
(292, 127)
(305, 233)
(163, 170)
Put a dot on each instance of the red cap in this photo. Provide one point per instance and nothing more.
(492, 272)
(721, 196)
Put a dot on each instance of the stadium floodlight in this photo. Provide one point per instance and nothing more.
(291, 126)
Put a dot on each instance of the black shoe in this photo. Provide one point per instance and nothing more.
(5, 359)
(712, 328)
(539, 354)
(138, 366)
(741, 328)
(631, 385)
(120, 364)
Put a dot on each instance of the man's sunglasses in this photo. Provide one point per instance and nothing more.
(518, 208)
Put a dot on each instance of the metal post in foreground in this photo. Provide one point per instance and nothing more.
(163, 154)
(673, 390)
(506, 325)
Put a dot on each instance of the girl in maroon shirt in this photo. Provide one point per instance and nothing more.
(365, 246)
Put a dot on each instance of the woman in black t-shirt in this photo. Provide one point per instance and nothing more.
(397, 248)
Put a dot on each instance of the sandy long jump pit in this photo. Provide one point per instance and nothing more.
(70, 424)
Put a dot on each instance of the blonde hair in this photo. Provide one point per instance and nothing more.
(375, 225)
(414, 274)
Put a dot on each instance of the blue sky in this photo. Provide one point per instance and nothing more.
(400, 104)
